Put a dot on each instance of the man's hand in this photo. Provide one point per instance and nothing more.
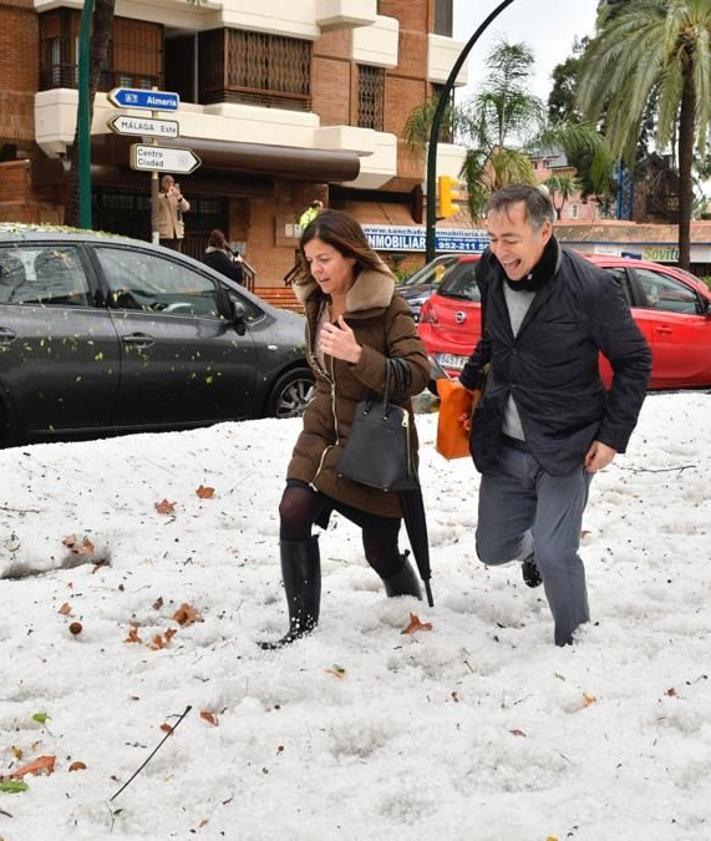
(598, 456)
(338, 340)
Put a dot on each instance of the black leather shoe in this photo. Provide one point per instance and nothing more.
(530, 572)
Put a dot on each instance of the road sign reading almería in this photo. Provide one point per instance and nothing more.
(144, 126)
(140, 98)
(163, 159)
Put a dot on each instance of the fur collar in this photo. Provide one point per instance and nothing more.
(371, 290)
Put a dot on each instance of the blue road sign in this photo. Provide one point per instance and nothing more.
(140, 98)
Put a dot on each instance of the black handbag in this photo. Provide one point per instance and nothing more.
(378, 452)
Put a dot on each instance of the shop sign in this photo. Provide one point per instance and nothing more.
(404, 238)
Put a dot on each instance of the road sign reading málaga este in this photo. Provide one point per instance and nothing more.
(143, 126)
(141, 98)
(163, 159)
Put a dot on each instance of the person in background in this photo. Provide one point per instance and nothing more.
(354, 322)
(311, 212)
(219, 257)
(171, 206)
(545, 424)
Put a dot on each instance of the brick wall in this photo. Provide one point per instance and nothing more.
(19, 69)
(330, 88)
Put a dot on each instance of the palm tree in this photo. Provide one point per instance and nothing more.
(495, 123)
(565, 185)
(648, 44)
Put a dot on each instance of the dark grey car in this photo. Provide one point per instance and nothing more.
(102, 334)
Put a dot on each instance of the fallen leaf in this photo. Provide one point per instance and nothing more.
(205, 492)
(415, 625)
(589, 699)
(133, 635)
(166, 728)
(12, 786)
(70, 540)
(41, 718)
(158, 603)
(17, 752)
(517, 732)
(41, 765)
(163, 640)
(65, 609)
(77, 766)
(671, 692)
(186, 615)
(165, 507)
(336, 671)
(75, 628)
(203, 822)
(209, 717)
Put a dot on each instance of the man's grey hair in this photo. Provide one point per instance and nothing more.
(537, 204)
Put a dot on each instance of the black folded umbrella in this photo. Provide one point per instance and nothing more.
(413, 513)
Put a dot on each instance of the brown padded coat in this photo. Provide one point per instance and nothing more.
(383, 326)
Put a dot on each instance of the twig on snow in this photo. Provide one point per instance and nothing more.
(660, 469)
(152, 754)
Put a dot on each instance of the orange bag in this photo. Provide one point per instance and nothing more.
(452, 434)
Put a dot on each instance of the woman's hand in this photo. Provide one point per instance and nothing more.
(338, 340)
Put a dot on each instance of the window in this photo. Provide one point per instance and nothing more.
(574, 209)
(661, 292)
(460, 282)
(254, 68)
(443, 17)
(371, 96)
(135, 52)
(45, 275)
(139, 280)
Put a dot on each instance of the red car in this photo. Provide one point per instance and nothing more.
(671, 307)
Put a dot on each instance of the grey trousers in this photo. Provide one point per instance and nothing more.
(522, 511)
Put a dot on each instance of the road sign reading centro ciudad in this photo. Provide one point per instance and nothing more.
(163, 159)
(139, 98)
(144, 126)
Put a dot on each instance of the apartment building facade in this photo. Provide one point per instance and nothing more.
(284, 102)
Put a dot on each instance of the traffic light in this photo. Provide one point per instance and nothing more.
(447, 194)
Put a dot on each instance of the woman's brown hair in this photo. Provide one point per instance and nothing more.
(217, 240)
(341, 231)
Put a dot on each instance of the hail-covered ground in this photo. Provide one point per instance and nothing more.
(115, 618)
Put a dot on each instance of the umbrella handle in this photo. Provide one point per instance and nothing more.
(428, 590)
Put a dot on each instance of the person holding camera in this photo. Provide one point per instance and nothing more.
(171, 206)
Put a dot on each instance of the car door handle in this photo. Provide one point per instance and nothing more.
(7, 336)
(138, 339)
(664, 331)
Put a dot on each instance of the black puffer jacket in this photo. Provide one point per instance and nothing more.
(551, 367)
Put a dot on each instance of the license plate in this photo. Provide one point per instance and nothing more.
(449, 360)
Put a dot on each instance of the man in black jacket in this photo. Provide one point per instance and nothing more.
(545, 424)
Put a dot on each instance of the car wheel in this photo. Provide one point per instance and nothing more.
(291, 394)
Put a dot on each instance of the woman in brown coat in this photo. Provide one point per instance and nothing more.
(355, 321)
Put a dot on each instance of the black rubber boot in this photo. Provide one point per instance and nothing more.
(403, 583)
(301, 572)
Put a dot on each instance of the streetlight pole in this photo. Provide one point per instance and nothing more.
(84, 127)
(437, 123)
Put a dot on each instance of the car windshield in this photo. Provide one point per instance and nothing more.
(431, 273)
(460, 282)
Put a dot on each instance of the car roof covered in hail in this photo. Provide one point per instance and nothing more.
(19, 232)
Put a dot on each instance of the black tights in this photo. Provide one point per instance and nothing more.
(301, 507)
